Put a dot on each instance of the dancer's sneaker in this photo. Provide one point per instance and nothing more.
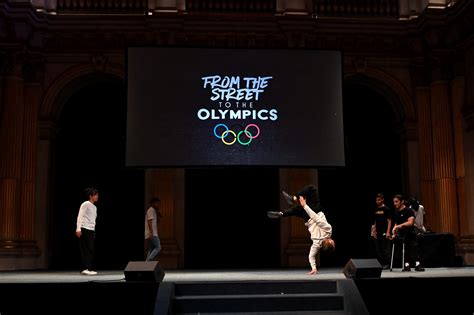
(88, 272)
(289, 198)
(274, 214)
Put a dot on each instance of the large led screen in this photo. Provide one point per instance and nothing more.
(219, 107)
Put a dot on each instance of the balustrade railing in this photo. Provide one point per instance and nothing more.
(369, 8)
(352, 8)
(245, 6)
(102, 6)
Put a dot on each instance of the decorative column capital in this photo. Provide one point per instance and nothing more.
(22, 65)
(408, 131)
(33, 71)
(442, 64)
(11, 63)
(420, 74)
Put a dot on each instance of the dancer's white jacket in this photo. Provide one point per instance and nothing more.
(317, 225)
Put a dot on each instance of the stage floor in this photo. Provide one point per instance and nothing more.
(30, 291)
(223, 275)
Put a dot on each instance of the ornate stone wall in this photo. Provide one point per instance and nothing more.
(415, 53)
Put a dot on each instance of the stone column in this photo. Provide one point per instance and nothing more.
(47, 131)
(168, 185)
(420, 76)
(18, 138)
(32, 99)
(446, 210)
(466, 217)
(295, 240)
(457, 101)
(427, 197)
(466, 246)
(11, 138)
(411, 157)
(11, 135)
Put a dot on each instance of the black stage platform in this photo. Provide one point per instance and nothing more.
(59, 292)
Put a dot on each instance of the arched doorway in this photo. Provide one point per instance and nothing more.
(373, 164)
(90, 151)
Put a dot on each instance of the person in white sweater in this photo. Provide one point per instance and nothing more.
(419, 210)
(321, 232)
(152, 239)
(85, 230)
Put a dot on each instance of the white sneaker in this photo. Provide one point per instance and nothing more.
(88, 272)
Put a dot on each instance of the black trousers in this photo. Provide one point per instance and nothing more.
(412, 249)
(382, 247)
(86, 246)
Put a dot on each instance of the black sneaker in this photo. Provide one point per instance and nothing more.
(289, 198)
(406, 268)
(419, 268)
(274, 214)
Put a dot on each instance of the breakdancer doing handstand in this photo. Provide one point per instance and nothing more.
(317, 224)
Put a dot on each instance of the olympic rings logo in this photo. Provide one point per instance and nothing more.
(229, 137)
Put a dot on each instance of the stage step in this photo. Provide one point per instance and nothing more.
(278, 313)
(254, 287)
(260, 297)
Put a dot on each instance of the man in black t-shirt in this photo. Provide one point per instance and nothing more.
(381, 229)
(404, 231)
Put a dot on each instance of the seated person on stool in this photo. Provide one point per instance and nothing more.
(419, 210)
(404, 230)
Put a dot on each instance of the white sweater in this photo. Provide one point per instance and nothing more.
(86, 217)
(317, 225)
